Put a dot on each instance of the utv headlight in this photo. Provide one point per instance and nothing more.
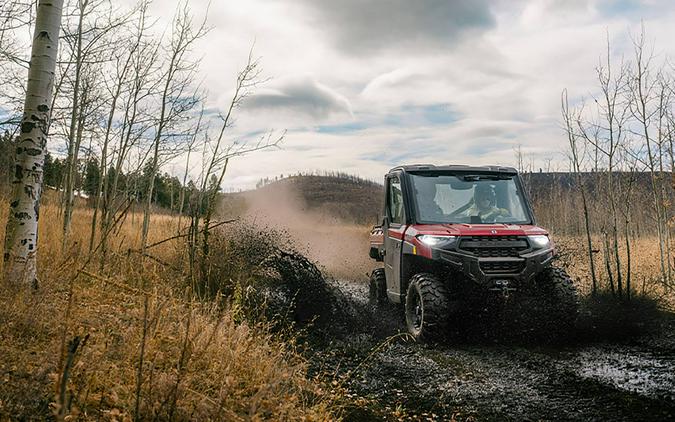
(540, 241)
(436, 241)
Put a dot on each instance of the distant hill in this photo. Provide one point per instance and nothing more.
(347, 198)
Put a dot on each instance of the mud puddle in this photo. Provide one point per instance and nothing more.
(479, 380)
(648, 372)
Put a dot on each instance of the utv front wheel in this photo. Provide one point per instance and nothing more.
(377, 295)
(426, 307)
(561, 296)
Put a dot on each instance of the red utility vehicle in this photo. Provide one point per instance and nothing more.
(453, 232)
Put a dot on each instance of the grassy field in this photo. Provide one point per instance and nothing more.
(645, 267)
(194, 361)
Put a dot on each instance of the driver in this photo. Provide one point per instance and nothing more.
(485, 203)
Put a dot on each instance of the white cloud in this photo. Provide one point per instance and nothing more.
(298, 100)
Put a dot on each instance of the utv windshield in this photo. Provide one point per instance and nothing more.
(474, 199)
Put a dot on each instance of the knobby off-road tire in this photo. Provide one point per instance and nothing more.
(377, 294)
(561, 298)
(427, 307)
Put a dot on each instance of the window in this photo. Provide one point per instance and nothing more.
(475, 199)
(395, 201)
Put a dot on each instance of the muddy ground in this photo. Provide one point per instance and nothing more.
(488, 376)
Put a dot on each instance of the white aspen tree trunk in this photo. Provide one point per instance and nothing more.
(21, 236)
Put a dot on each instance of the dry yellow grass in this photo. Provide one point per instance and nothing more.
(197, 363)
(645, 266)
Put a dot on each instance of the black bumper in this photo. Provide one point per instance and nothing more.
(493, 272)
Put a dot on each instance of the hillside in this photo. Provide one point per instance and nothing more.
(345, 198)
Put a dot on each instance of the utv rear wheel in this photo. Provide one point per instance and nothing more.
(377, 295)
(426, 307)
(560, 297)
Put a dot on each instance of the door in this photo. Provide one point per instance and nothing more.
(393, 237)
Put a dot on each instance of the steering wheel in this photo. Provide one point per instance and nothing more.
(495, 215)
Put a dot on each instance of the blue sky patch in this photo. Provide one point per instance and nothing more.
(343, 127)
(613, 8)
(427, 115)
(407, 116)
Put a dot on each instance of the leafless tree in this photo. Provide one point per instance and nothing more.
(626, 131)
(138, 81)
(650, 100)
(605, 130)
(176, 100)
(577, 152)
(115, 87)
(88, 44)
(216, 156)
(21, 237)
(190, 147)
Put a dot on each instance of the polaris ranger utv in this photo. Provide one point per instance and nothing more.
(452, 233)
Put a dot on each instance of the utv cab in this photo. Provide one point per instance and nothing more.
(450, 232)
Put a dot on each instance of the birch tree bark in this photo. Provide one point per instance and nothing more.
(21, 236)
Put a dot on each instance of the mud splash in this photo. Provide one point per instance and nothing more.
(340, 248)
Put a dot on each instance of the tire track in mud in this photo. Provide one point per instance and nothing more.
(591, 381)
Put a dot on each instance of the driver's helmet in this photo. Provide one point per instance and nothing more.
(482, 193)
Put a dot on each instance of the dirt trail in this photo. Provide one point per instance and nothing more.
(599, 381)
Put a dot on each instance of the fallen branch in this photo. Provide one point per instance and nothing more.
(181, 235)
(157, 260)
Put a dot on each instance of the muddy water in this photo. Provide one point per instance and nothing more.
(472, 380)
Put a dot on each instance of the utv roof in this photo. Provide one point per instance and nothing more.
(454, 168)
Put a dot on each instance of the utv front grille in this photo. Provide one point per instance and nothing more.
(502, 267)
(494, 246)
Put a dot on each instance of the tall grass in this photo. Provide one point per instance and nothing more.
(146, 350)
(645, 269)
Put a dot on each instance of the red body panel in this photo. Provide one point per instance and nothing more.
(397, 232)
(410, 233)
(496, 229)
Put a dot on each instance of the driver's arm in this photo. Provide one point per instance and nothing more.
(496, 212)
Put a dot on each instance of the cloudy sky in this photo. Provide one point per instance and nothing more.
(362, 86)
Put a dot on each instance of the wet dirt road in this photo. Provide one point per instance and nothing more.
(632, 380)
